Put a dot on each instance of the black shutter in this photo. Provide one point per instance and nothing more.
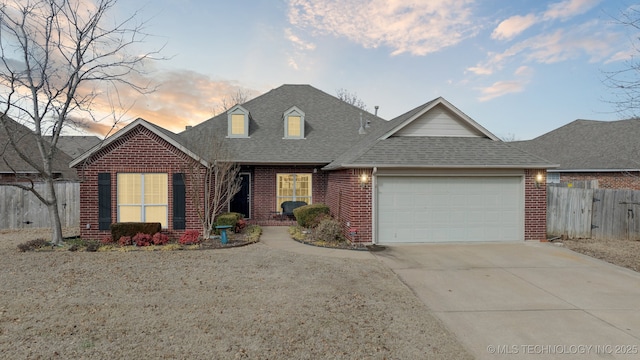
(104, 201)
(179, 202)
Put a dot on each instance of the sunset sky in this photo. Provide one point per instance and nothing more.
(520, 67)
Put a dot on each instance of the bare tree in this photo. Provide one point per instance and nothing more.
(509, 137)
(213, 182)
(351, 98)
(241, 96)
(55, 55)
(626, 81)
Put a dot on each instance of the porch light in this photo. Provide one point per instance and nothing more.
(539, 179)
(363, 179)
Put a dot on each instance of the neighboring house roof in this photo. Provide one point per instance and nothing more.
(76, 145)
(330, 125)
(11, 162)
(590, 146)
(163, 133)
(436, 135)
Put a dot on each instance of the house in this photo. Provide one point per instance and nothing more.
(430, 175)
(13, 168)
(586, 150)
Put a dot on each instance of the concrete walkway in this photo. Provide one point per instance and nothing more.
(278, 237)
(525, 301)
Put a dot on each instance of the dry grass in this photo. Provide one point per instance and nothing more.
(625, 253)
(252, 302)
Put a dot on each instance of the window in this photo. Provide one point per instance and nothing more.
(237, 124)
(553, 178)
(238, 119)
(293, 126)
(293, 123)
(293, 187)
(143, 198)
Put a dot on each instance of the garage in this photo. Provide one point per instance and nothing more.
(425, 209)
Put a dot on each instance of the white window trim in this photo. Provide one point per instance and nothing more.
(294, 111)
(238, 110)
(295, 175)
(142, 204)
(553, 178)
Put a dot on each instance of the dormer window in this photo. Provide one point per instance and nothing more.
(238, 122)
(294, 123)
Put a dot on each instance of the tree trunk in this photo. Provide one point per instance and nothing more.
(206, 233)
(54, 215)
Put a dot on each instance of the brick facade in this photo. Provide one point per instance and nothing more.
(535, 206)
(350, 201)
(606, 180)
(139, 151)
(263, 190)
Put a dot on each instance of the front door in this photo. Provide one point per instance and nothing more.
(241, 202)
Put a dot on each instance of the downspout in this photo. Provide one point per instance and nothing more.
(374, 223)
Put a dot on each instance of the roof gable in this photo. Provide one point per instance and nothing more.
(165, 134)
(438, 118)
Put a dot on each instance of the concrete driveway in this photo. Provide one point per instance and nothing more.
(525, 300)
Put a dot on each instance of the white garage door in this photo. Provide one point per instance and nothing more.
(449, 209)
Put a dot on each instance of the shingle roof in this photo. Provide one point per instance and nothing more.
(10, 161)
(331, 128)
(445, 152)
(590, 145)
(433, 151)
(76, 145)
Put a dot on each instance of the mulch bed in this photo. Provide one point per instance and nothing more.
(343, 245)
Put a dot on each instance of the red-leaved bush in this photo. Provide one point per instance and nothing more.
(160, 239)
(107, 240)
(190, 237)
(141, 239)
(125, 241)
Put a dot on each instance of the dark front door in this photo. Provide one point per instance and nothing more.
(241, 202)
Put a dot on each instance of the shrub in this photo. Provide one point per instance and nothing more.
(141, 239)
(107, 240)
(160, 239)
(190, 237)
(253, 233)
(329, 230)
(240, 225)
(33, 245)
(119, 230)
(306, 215)
(230, 218)
(125, 241)
(93, 246)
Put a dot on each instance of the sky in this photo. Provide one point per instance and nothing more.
(520, 68)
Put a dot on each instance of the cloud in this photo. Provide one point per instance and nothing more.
(590, 39)
(182, 98)
(501, 88)
(299, 43)
(513, 26)
(569, 8)
(413, 26)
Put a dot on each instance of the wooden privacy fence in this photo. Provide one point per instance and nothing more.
(593, 213)
(21, 209)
